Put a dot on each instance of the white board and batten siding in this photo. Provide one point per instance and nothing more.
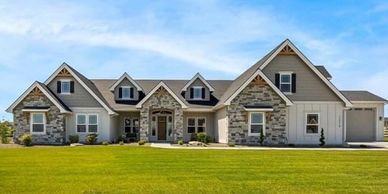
(331, 116)
(103, 129)
(221, 126)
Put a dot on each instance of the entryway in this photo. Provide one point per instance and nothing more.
(162, 126)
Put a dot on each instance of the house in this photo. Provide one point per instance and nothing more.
(284, 96)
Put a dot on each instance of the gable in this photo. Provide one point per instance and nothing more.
(309, 87)
(126, 82)
(161, 89)
(197, 82)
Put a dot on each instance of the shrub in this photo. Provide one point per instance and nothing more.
(141, 142)
(26, 139)
(73, 138)
(203, 137)
(105, 143)
(193, 137)
(91, 138)
(121, 142)
(262, 138)
(231, 144)
(180, 142)
(322, 139)
(5, 131)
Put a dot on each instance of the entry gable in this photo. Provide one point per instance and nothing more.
(38, 88)
(165, 88)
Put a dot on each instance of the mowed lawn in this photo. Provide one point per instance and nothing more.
(132, 169)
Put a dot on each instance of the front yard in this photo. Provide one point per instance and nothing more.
(126, 169)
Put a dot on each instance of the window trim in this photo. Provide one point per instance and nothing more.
(63, 81)
(195, 124)
(129, 92)
(250, 120)
(200, 92)
(32, 122)
(86, 122)
(132, 125)
(305, 123)
(280, 81)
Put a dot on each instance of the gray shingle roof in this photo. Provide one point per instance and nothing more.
(362, 96)
(324, 71)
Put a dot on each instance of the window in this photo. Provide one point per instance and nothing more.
(196, 125)
(197, 90)
(38, 121)
(131, 125)
(256, 123)
(312, 123)
(87, 123)
(285, 82)
(127, 92)
(169, 125)
(153, 126)
(65, 86)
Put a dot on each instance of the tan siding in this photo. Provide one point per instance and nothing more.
(221, 126)
(80, 97)
(197, 82)
(209, 123)
(126, 82)
(309, 87)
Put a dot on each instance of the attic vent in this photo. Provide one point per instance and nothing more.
(64, 73)
(36, 92)
(161, 91)
(287, 50)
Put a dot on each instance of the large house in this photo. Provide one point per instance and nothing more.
(284, 96)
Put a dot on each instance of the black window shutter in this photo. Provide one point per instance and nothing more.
(71, 86)
(58, 87)
(120, 92)
(203, 93)
(293, 83)
(277, 80)
(191, 93)
(131, 93)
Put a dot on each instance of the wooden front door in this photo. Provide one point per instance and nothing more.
(162, 127)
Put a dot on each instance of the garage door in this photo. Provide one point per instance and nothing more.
(360, 125)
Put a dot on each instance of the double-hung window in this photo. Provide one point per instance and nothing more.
(196, 124)
(312, 123)
(38, 121)
(197, 90)
(285, 82)
(256, 123)
(65, 86)
(127, 92)
(87, 123)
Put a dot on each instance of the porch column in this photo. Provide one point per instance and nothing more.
(178, 114)
(144, 124)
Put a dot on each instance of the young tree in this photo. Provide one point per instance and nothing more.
(5, 131)
(322, 139)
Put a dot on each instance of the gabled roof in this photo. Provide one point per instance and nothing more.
(324, 71)
(85, 82)
(47, 92)
(363, 96)
(125, 75)
(198, 76)
(309, 64)
(161, 84)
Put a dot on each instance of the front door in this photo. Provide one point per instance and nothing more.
(162, 127)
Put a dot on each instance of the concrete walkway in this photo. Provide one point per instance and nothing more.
(169, 146)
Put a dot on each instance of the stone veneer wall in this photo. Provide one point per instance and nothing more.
(55, 130)
(161, 100)
(257, 92)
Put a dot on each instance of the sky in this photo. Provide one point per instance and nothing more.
(176, 39)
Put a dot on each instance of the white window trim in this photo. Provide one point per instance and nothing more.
(86, 122)
(280, 81)
(44, 123)
(62, 81)
(132, 125)
(129, 97)
(249, 124)
(195, 124)
(200, 88)
(305, 123)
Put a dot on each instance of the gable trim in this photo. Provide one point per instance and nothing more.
(125, 75)
(267, 80)
(312, 67)
(198, 76)
(28, 91)
(161, 84)
(64, 65)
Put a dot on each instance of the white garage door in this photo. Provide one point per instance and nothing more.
(361, 125)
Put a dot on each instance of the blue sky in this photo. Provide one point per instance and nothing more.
(176, 39)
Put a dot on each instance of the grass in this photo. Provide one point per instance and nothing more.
(125, 169)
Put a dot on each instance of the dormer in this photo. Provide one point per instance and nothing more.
(126, 89)
(197, 89)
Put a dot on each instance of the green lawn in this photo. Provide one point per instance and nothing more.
(126, 169)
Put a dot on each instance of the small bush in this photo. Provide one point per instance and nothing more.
(203, 137)
(141, 142)
(26, 140)
(121, 142)
(5, 131)
(231, 144)
(193, 137)
(363, 146)
(91, 138)
(73, 139)
(262, 138)
(180, 142)
(322, 139)
(105, 143)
